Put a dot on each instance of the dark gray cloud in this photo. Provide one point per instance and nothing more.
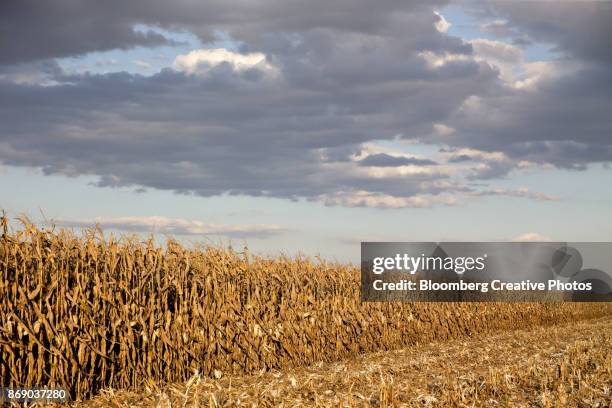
(581, 29)
(385, 160)
(561, 117)
(34, 30)
(336, 75)
(461, 158)
(32, 73)
(225, 133)
(340, 82)
(564, 121)
(485, 165)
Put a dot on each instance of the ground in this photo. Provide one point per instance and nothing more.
(562, 365)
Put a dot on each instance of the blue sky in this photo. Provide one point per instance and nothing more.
(483, 185)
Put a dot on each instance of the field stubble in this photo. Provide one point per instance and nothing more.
(568, 365)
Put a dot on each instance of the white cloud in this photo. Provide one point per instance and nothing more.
(174, 226)
(441, 129)
(521, 192)
(515, 70)
(199, 62)
(142, 64)
(531, 237)
(534, 72)
(497, 50)
(107, 62)
(352, 169)
(363, 198)
(377, 200)
(438, 60)
(395, 172)
(442, 24)
(507, 58)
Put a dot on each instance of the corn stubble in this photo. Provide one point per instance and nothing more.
(87, 312)
(565, 365)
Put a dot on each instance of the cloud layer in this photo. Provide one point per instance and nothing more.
(290, 110)
(172, 226)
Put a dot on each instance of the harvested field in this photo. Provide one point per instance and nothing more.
(568, 365)
(87, 313)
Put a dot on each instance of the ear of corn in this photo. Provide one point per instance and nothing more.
(86, 312)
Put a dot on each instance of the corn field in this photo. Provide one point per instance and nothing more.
(87, 312)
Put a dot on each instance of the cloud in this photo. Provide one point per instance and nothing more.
(142, 64)
(201, 61)
(499, 28)
(522, 192)
(379, 200)
(561, 122)
(71, 28)
(467, 154)
(41, 73)
(531, 237)
(173, 226)
(376, 200)
(497, 50)
(553, 112)
(34, 31)
(514, 70)
(346, 75)
(385, 160)
(216, 124)
(442, 24)
(441, 129)
(580, 29)
(483, 165)
(107, 62)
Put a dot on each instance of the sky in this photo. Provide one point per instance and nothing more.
(308, 127)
